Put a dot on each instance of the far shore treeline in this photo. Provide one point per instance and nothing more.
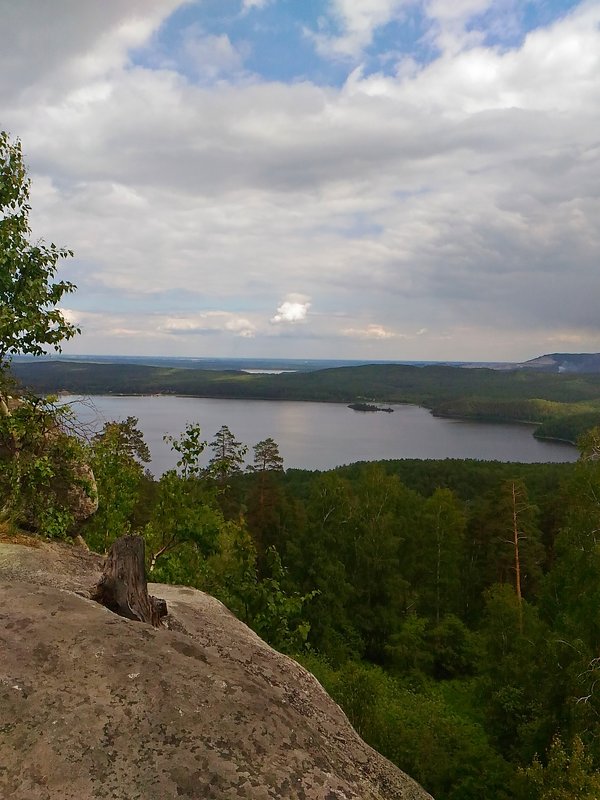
(562, 405)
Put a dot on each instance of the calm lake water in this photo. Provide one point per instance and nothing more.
(321, 435)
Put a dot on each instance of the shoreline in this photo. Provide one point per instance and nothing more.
(459, 418)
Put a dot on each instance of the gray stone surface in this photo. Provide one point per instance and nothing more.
(96, 706)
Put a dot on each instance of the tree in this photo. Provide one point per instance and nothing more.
(29, 322)
(440, 546)
(185, 513)
(190, 448)
(263, 518)
(569, 773)
(228, 455)
(267, 457)
(29, 317)
(117, 455)
(45, 483)
(507, 542)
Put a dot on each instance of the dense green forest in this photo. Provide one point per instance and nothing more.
(564, 406)
(450, 607)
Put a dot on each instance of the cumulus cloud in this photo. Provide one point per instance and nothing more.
(241, 327)
(478, 174)
(293, 310)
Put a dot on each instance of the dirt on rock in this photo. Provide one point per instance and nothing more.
(96, 706)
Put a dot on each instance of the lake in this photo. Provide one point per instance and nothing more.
(320, 435)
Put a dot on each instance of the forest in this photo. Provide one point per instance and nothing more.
(562, 405)
(450, 607)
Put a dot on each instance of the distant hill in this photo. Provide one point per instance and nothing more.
(564, 362)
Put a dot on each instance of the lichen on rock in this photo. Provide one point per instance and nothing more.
(97, 706)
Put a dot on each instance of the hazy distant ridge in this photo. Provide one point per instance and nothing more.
(564, 362)
(559, 392)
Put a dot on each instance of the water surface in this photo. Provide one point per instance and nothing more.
(322, 435)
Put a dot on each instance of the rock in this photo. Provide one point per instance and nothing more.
(97, 706)
(81, 495)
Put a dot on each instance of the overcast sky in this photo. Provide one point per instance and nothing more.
(370, 179)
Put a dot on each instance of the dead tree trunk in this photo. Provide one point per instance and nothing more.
(123, 587)
(516, 538)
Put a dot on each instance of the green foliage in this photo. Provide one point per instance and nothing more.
(190, 447)
(515, 395)
(397, 584)
(29, 318)
(266, 456)
(440, 547)
(569, 773)
(116, 457)
(453, 648)
(41, 466)
(448, 754)
(264, 499)
(573, 422)
(185, 512)
(407, 651)
(37, 459)
(589, 444)
(262, 602)
(228, 455)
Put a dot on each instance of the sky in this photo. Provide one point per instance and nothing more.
(365, 179)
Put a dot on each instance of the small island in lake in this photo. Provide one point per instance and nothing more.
(369, 407)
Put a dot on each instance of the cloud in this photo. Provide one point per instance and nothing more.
(248, 5)
(371, 332)
(357, 23)
(241, 327)
(209, 57)
(293, 310)
(210, 322)
(73, 43)
(478, 174)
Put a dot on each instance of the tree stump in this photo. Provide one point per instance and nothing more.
(123, 587)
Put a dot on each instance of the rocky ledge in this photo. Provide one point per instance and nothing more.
(96, 706)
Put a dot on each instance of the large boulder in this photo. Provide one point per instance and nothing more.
(93, 705)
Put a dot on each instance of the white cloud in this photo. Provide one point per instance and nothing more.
(210, 57)
(357, 22)
(461, 197)
(247, 5)
(210, 322)
(241, 327)
(372, 331)
(294, 309)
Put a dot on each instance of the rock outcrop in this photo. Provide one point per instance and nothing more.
(93, 705)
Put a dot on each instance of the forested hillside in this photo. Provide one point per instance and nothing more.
(450, 607)
(564, 405)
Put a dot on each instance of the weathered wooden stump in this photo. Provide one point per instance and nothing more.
(123, 587)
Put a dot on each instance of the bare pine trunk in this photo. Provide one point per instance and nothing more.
(517, 559)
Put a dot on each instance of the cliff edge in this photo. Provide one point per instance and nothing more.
(96, 706)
